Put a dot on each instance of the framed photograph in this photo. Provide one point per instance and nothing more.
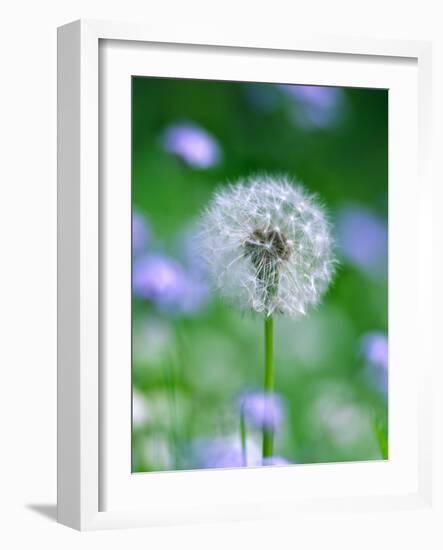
(243, 298)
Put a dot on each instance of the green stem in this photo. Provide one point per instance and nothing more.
(269, 380)
(381, 433)
(243, 437)
(173, 417)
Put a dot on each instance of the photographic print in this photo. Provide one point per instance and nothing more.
(259, 274)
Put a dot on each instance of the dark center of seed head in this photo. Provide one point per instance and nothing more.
(267, 246)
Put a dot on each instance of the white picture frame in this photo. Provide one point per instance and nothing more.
(95, 487)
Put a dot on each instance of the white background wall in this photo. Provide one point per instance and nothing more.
(28, 259)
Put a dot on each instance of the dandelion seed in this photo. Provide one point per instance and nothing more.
(262, 255)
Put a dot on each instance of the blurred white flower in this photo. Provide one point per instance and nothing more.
(329, 325)
(268, 245)
(152, 339)
(344, 421)
(140, 414)
(157, 453)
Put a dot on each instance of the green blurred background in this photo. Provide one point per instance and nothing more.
(193, 355)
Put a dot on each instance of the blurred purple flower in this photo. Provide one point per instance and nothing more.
(224, 452)
(275, 461)
(363, 239)
(263, 411)
(374, 349)
(218, 454)
(187, 249)
(165, 282)
(196, 294)
(316, 106)
(140, 233)
(193, 144)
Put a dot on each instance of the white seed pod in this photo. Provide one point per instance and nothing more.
(268, 245)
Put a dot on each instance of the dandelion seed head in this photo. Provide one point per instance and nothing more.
(268, 245)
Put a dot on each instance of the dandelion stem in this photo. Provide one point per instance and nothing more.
(243, 437)
(269, 380)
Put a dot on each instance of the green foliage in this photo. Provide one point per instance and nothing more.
(381, 431)
(190, 369)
